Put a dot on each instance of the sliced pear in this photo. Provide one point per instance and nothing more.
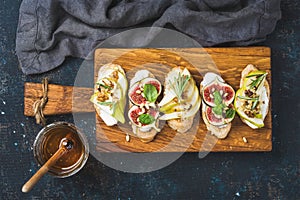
(169, 94)
(184, 114)
(189, 90)
(118, 113)
(123, 82)
(167, 107)
(112, 110)
(249, 78)
(185, 104)
(258, 122)
(250, 124)
(174, 105)
(192, 101)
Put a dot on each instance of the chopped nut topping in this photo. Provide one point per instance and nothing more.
(108, 83)
(115, 75)
(102, 95)
(249, 113)
(127, 138)
(249, 93)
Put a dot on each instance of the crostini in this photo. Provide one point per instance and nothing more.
(143, 93)
(181, 100)
(109, 96)
(217, 108)
(252, 99)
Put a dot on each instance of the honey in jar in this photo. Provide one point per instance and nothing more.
(48, 141)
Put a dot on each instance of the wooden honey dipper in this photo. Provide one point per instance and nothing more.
(64, 146)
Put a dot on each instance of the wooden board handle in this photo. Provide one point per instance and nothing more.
(60, 99)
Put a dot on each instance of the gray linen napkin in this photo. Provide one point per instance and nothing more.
(50, 30)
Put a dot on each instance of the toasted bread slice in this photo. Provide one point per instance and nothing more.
(144, 136)
(180, 116)
(117, 76)
(248, 69)
(148, 135)
(181, 125)
(220, 132)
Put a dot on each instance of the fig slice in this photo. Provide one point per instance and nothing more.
(216, 87)
(213, 118)
(149, 116)
(137, 92)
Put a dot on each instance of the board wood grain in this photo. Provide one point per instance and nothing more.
(229, 62)
(60, 99)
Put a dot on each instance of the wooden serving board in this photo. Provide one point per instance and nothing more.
(229, 62)
(60, 99)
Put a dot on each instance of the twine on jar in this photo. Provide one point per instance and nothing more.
(39, 105)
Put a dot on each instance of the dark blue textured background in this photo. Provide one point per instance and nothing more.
(271, 175)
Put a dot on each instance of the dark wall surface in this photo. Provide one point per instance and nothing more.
(270, 175)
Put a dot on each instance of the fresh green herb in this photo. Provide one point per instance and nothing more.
(108, 103)
(179, 85)
(252, 75)
(254, 104)
(146, 119)
(248, 98)
(217, 97)
(150, 92)
(259, 78)
(105, 86)
(230, 113)
(218, 109)
(220, 106)
(251, 99)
